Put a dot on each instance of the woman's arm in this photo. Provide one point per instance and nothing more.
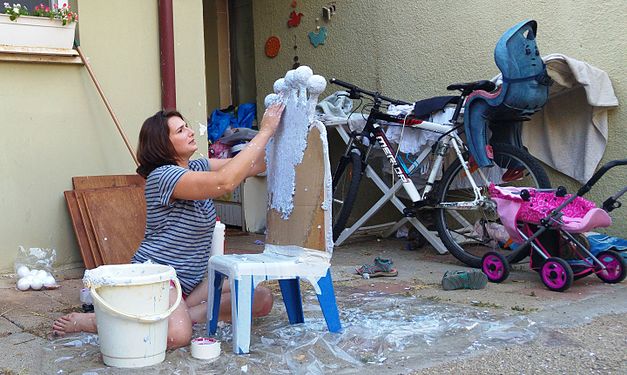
(215, 164)
(231, 172)
(260, 166)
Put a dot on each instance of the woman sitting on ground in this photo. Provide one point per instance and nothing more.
(180, 216)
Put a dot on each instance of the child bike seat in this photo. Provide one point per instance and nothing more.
(524, 90)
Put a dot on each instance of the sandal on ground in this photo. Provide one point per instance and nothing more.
(474, 279)
(380, 268)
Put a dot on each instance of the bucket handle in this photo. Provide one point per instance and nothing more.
(139, 318)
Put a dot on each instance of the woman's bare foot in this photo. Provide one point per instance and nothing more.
(75, 322)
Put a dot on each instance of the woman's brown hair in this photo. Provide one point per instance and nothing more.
(154, 148)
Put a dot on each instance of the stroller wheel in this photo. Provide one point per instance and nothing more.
(615, 267)
(495, 266)
(556, 274)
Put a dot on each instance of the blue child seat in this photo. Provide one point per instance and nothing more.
(524, 91)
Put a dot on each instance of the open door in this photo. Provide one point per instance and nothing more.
(230, 81)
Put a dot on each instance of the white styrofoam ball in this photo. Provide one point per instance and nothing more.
(290, 78)
(302, 74)
(279, 86)
(271, 99)
(37, 283)
(42, 274)
(23, 283)
(316, 84)
(33, 272)
(22, 271)
(49, 281)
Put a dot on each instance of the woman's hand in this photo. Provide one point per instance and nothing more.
(271, 118)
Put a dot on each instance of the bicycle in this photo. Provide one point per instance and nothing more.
(464, 212)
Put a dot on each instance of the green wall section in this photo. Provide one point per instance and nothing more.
(414, 49)
(56, 126)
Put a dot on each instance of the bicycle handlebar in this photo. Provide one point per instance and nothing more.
(355, 89)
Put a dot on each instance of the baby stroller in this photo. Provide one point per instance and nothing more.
(551, 222)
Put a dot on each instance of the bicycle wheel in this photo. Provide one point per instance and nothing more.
(469, 233)
(345, 185)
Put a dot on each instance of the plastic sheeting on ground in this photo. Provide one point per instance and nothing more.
(379, 329)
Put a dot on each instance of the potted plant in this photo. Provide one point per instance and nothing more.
(43, 27)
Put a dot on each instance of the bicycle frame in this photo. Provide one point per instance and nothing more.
(374, 132)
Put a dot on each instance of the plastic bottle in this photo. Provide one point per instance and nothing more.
(217, 243)
(88, 303)
(496, 232)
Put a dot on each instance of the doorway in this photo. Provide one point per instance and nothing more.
(229, 53)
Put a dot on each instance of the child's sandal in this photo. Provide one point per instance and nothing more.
(380, 268)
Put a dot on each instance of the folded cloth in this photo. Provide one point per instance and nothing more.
(601, 242)
(570, 133)
(334, 107)
(410, 140)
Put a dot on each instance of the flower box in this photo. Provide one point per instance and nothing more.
(28, 31)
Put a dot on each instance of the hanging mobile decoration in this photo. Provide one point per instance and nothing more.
(273, 46)
(296, 62)
(318, 38)
(294, 19)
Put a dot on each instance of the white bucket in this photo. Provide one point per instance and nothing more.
(131, 303)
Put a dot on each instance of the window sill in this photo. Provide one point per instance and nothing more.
(39, 55)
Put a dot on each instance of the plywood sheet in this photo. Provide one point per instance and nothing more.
(89, 230)
(97, 182)
(79, 229)
(305, 226)
(118, 218)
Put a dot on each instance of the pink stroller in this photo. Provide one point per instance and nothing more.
(551, 222)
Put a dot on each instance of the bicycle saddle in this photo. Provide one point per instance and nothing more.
(484, 85)
(426, 107)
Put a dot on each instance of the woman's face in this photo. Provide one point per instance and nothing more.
(182, 137)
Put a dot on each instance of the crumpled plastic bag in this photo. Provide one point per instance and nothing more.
(33, 267)
(230, 118)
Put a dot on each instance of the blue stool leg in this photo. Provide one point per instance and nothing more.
(326, 298)
(214, 286)
(290, 289)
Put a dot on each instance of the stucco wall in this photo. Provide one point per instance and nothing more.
(412, 50)
(56, 126)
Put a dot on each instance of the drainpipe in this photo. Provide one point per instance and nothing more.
(166, 47)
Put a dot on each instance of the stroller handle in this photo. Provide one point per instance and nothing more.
(598, 174)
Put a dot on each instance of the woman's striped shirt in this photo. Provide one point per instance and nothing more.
(178, 232)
